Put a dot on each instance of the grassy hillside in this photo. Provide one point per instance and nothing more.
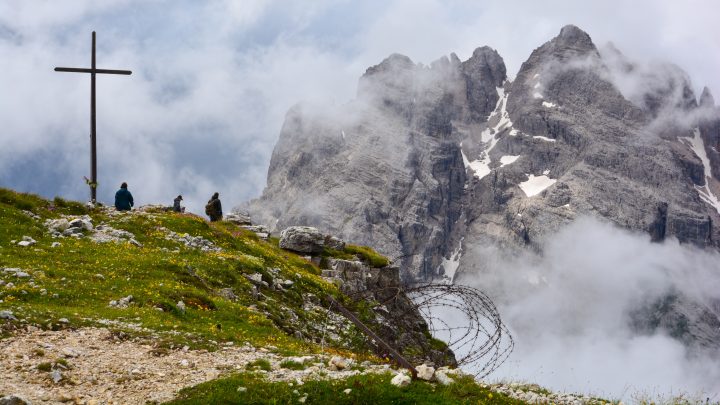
(77, 280)
(174, 280)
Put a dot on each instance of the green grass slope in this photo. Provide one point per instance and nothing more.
(71, 285)
(76, 280)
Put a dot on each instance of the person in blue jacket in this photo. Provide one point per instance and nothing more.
(123, 199)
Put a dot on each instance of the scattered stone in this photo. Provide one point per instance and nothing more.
(425, 372)
(400, 380)
(184, 363)
(340, 363)
(105, 233)
(135, 242)
(303, 399)
(304, 239)
(25, 243)
(100, 276)
(228, 294)
(239, 218)
(241, 389)
(13, 400)
(70, 352)
(57, 225)
(256, 278)
(55, 244)
(194, 242)
(347, 391)
(334, 242)
(181, 306)
(72, 232)
(122, 302)
(31, 215)
(6, 314)
(56, 376)
(442, 376)
(63, 320)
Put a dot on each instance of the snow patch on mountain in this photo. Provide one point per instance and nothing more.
(481, 167)
(508, 159)
(451, 265)
(697, 145)
(534, 185)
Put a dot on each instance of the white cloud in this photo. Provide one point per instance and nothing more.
(570, 312)
(212, 81)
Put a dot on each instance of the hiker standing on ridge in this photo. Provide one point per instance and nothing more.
(213, 209)
(176, 204)
(123, 198)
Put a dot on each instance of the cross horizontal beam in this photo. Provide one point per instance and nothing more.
(83, 70)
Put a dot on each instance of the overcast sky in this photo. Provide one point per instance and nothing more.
(212, 80)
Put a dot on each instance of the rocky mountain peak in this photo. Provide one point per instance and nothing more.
(390, 82)
(706, 98)
(488, 62)
(393, 63)
(572, 41)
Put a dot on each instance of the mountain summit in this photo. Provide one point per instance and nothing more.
(431, 163)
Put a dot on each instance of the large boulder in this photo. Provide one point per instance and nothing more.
(303, 239)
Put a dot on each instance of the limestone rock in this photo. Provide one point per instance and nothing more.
(13, 400)
(442, 375)
(302, 239)
(425, 372)
(401, 380)
(239, 218)
(228, 294)
(339, 363)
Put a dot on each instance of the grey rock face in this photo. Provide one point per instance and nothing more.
(397, 321)
(386, 169)
(430, 159)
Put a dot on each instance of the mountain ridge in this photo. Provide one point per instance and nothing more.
(431, 162)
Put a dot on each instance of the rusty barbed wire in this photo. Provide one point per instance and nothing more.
(463, 317)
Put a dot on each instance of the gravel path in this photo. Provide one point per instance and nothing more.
(102, 369)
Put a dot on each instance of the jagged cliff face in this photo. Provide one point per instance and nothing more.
(429, 163)
(386, 169)
(579, 147)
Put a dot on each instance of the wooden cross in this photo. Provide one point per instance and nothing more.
(93, 134)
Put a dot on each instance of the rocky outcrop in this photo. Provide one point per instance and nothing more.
(393, 315)
(303, 239)
(397, 321)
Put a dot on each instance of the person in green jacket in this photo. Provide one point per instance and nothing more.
(123, 198)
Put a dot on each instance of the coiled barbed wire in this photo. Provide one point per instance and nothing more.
(468, 321)
(463, 317)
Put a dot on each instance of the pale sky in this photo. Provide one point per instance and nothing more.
(213, 80)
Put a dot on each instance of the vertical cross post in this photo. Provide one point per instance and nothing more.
(93, 116)
(93, 129)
